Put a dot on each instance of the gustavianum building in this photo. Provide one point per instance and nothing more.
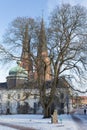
(17, 97)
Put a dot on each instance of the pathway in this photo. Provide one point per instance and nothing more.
(79, 122)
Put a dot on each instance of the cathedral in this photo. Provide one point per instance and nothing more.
(16, 96)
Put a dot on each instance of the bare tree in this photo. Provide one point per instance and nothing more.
(66, 39)
(16, 45)
(15, 36)
(67, 47)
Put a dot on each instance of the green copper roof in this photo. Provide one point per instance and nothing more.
(18, 71)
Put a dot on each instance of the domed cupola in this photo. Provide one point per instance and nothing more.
(18, 71)
(17, 77)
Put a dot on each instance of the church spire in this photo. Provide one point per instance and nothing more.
(26, 44)
(42, 46)
(42, 55)
(26, 61)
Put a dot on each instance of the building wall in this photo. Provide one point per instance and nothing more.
(10, 100)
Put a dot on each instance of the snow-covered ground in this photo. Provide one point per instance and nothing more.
(65, 122)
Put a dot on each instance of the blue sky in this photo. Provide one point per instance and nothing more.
(10, 9)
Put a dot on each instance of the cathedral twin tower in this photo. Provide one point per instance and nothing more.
(41, 67)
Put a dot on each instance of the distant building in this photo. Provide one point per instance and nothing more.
(78, 101)
(16, 99)
(83, 100)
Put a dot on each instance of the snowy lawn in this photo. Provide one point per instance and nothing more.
(65, 122)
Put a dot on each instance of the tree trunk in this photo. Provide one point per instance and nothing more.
(47, 112)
